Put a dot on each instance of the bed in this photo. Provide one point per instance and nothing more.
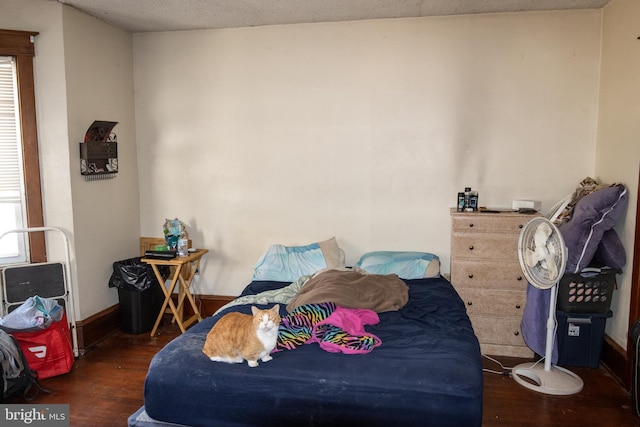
(427, 370)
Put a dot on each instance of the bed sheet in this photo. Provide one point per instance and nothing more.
(428, 371)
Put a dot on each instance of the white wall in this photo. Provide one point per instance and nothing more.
(51, 110)
(99, 77)
(618, 149)
(83, 72)
(363, 130)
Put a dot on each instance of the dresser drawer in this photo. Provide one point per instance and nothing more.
(493, 302)
(490, 223)
(484, 245)
(487, 274)
(494, 330)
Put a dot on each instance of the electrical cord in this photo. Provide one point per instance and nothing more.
(194, 291)
(506, 371)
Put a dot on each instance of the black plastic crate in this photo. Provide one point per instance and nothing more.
(589, 291)
(580, 337)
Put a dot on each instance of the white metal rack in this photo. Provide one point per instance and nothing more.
(16, 292)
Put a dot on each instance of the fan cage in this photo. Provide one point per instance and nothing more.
(538, 276)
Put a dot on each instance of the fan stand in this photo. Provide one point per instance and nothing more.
(548, 379)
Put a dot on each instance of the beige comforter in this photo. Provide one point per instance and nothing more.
(353, 289)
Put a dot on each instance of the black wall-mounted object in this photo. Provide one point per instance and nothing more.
(99, 151)
(98, 158)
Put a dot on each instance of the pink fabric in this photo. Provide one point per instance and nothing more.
(352, 321)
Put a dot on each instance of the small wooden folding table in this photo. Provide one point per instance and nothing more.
(178, 263)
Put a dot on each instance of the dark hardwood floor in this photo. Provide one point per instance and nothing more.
(602, 402)
(106, 383)
(105, 386)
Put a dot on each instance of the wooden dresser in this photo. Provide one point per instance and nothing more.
(485, 271)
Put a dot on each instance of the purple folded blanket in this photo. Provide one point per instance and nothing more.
(534, 321)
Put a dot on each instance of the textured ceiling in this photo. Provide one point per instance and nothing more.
(174, 15)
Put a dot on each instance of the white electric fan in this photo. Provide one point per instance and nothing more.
(543, 258)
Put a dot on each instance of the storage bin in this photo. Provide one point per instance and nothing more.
(580, 337)
(589, 291)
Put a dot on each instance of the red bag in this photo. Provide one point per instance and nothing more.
(49, 352)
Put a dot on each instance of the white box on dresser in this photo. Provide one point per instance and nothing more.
(485, 271)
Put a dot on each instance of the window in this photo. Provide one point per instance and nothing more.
(12, 202)
(20, 197)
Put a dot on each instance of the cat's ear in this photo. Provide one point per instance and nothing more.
(276, 308)
(254, 310)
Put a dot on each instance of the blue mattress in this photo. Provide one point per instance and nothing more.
(428, 371)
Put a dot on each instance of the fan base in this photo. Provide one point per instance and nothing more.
(556, 380)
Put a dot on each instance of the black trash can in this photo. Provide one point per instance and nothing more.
(139, 294)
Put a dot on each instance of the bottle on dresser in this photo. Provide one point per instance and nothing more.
(467, 201)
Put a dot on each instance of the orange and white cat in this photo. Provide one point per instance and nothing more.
(237, 337)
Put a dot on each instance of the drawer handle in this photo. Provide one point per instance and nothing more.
(471, 225)
(520, 226)
(469, 303)
(471, 276)
(518, 306)
(516, 333)
(519, 279)
(471, 247)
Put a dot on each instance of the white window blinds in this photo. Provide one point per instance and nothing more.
(11, 182)
(9, 148)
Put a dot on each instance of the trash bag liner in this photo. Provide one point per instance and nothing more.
(134, 275)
